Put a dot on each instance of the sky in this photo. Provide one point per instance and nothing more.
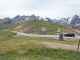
(54, 9)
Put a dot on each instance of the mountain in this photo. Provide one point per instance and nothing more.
(7, 23)
(24, 17)
(4, 21)
(16, 17)
(48, 19)
(73, 21)
(0, 20)
(32, 17)
(28, 18)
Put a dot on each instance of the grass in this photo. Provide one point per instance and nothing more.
(13, 47)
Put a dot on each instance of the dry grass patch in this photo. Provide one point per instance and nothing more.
(36, 42)
(4, 49)
(75, 30)
(8, 46)
(25, 30)
(71, 41)
(21, 51)
(24, 43)
(58, 45)
(2, 36)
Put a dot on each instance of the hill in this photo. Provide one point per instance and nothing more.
(35, 27)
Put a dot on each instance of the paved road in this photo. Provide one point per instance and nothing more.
(54, 36)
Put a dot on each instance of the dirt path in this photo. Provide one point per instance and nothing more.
(62, 46)
(74, 30)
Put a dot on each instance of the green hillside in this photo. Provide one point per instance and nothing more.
(35, 27)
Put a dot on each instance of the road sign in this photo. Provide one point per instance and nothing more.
(43, 29)
(58, 30)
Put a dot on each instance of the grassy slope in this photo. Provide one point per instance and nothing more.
(35, 26)
(13, 47)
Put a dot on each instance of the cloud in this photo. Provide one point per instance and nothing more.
(54, 9)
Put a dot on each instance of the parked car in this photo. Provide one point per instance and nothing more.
(14, 33)
(69, 35)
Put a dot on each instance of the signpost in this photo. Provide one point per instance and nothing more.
(58, 30)
(78, 46)
(43, 30)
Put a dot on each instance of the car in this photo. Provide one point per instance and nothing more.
(14, 33)
(69, 35)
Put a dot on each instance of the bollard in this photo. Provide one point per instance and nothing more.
(61, 37)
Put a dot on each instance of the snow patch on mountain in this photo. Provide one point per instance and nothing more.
(70, 19)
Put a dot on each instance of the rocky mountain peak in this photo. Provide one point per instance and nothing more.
(75, 19)
(71, 21)
(33, 15)
(16, 17)
(6, 20)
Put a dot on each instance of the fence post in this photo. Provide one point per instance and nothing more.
(78, 46)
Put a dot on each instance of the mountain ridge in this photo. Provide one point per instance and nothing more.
(27, 18)
(73, 21)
